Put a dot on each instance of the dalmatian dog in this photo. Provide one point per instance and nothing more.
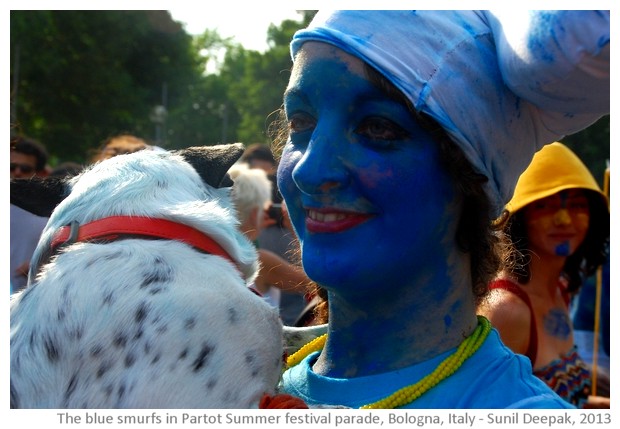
(138, 292)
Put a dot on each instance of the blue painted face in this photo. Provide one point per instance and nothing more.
(362, 182)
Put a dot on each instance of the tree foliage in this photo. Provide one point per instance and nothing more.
(592, 145)
(79, 77)
(82, 76)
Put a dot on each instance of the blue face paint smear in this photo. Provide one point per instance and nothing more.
(563, 249)
(563, 198)
(556, 323)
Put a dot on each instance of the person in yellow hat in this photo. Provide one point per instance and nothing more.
(558, 220)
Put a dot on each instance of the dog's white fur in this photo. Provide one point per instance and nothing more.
(140, 323)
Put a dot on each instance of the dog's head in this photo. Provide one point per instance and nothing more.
(189, 186)
(179, 326)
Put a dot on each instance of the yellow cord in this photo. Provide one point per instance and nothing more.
(410, 393)
(311, 347)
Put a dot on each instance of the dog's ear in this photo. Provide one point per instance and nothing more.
(213, 162)
(37, 195)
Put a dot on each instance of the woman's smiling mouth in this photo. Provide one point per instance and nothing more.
(333, 221)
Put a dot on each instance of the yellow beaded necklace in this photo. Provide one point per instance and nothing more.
(412, 392)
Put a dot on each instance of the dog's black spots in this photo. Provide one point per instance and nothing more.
(96, 350)
(149, 279)
(155, 359)
(109, 389)
(121, 392)
(138, 334)
(233, 315)
(63, 308)
(162, 184)
(140, 316)
(130, 359)
(211, 383)
(32, 339)
(76, 333)
(183, 353)
(66, 286)
(159, 273)
(202, 358)
(70, 389)
(103, 368)
(120, 339)
(142, 312)
(51, 349)
(108, 297)
(153, 277)
(250, 360)
(190, 322)
(112, 256)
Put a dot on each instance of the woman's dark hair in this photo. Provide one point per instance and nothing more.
(582, 263)
(476, 233)
(119, 145)
(32, 147)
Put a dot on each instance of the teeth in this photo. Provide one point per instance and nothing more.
(325, 217)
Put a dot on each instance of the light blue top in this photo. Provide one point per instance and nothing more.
(494, 377)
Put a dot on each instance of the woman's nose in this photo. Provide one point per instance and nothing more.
(561, 217)
(321, 168)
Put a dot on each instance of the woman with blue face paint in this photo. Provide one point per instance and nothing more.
(406, 132)
(558, 220)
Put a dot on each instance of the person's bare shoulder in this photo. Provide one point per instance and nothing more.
(510, 315)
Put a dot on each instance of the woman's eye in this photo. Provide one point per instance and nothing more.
(300, 122)
(578, 204)
(540, 205)
(377, 128)
(543, 206)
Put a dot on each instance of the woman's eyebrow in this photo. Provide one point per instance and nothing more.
(295, 92)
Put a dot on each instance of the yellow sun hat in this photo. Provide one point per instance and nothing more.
(554, 168)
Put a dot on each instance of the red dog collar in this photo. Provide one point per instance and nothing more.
(115, 227)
